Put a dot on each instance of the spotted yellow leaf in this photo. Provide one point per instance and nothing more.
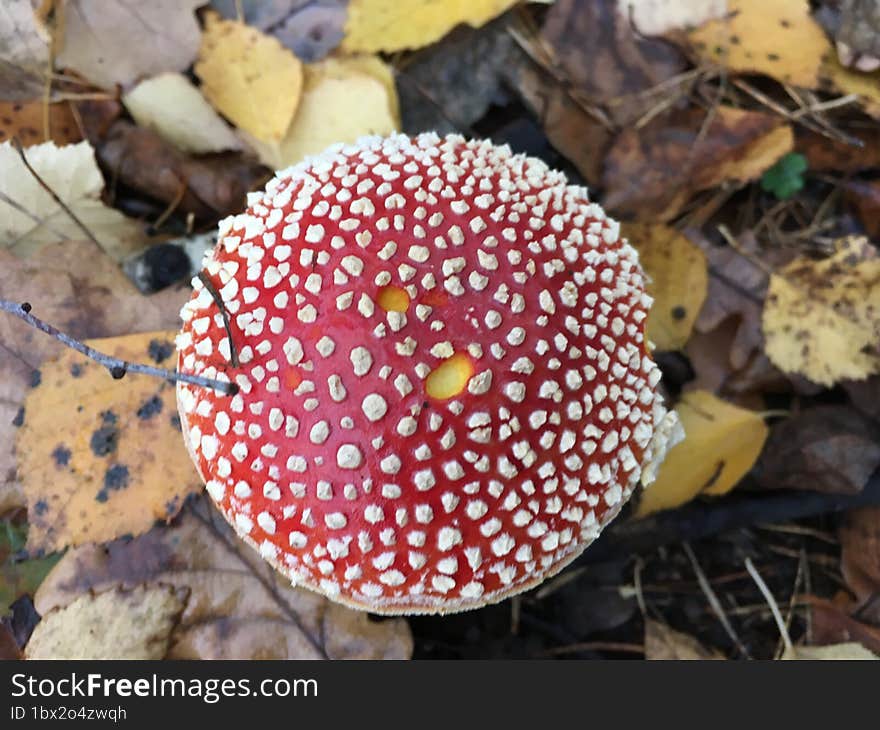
(249, 77)
(847, 81)
(679, 281)
(722, 444)
(394, 25)
(99, 458)
(821, 319)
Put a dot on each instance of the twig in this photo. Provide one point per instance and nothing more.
(618, 646)
(118, 368)
(218, 300)
(43, 184)
(717, 608)
(774, 608)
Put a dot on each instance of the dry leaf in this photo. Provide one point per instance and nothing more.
(249, 77)
(663, 642)
(25, 120)
(721, 444)
(395, 25)
(178, 112)
(652, 172)
(115, 624)
(114, 42)
(679, 282)
(72, 173)
(829, 155)
(657, 17)
(860, 558)
(778, 38)
(832, 623)
(80, 290)
(238, 607)
(24, 51)
(100, 458)
(342, 99)
(820, 319)
(18, 577)
(847, 81)
(832, 449)
(833, 652)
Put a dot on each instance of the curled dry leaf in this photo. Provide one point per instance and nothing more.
(821, 317)
(825, 449)
(115, 624)
(721, 444)
(249, 77)
(652, 172)
(80, 290)
(24, 51)
(396, 25)
(679, 281)
(171, 105)
(664, 642)
(25, 121)
(104, 39)
(81, 451)
(74, 176)
(342, 99)
(238, 607)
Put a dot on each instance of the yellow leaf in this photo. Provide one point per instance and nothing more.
(249, 77)
(342, 99)
(395, 25)
(778, 38)
(99, 458)
(679, 281)
(721, 445)
(847, 81)
(116, 624)
(821, 317)
(840, 652)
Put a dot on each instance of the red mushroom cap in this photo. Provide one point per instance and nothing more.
(445, 391)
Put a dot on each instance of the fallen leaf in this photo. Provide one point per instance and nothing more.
(652, 172)
(834, 652)
(664, 643)
(8, 648)
(859, 535)
(830, 448)
(238, 607)
(830, 155)
(25, 120)
(249, 77)
(396, 25)
(100, 458)
(342, 99)
(847, 81)
(778, 38)
(863, 197)
(678, 281)
(72, 173)
(820, 317)
(721, 444)
(78, 288)
(601, 55)
(24, 51)
(658, 17)
(116, 624)
(113, 42)
(832, 623)
(18, 577)
(178, 112)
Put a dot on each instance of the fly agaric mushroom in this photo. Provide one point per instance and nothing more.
(444, 388)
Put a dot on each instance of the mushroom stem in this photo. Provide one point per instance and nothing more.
(118, 368)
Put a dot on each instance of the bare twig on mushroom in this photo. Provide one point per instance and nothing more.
(218, 300)
(118, 368)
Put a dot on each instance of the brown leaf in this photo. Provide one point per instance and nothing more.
(830, 155)
(605, 60)
(831, 449)
(859, 536)
(832, 624)
(80, 290)
(238, 607)
(8, 647)
(863, 197)
(101, 458)
(24, 120)
(652, 172)
(24, 51)
(663, 642)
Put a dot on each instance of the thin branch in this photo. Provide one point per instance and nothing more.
(774, 607)
(118, 368)
(218, 300)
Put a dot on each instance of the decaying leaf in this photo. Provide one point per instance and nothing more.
(18, 577)
(24, 51)
(848, 81)
(104, 40)
(652, 172)
(831, 448)
(833, 624)
(778, 38)
(342, 99)
(721, 444)
(25, 121)
(821, 317)
(664, 642)
(81, 452)
(115, 624)
(396, 25)
(74, 176)
(249, 77)
(679, 281)
(80, 290)
(238, 607)
(860, 557)
(176, 109)
(834, 652)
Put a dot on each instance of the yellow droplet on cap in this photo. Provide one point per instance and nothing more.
(393, 299)
(450, 377)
